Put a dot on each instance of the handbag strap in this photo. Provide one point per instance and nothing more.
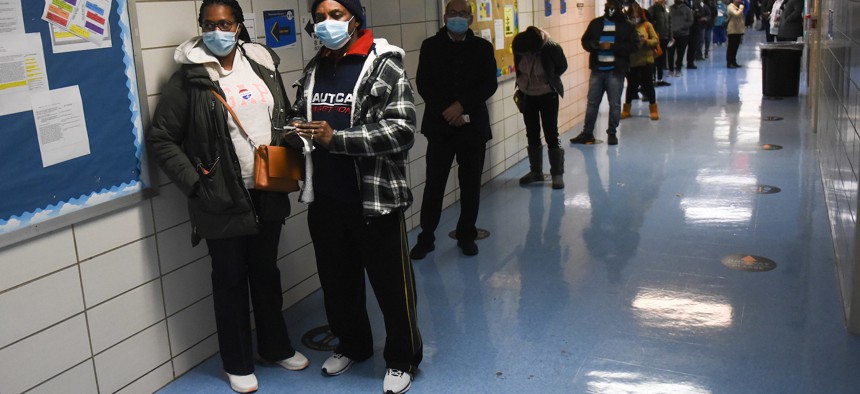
(235, 118)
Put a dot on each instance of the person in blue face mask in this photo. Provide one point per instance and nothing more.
(356, 106)
(201, 146)
(456, 76)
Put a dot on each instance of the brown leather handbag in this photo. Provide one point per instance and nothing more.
(276, 168)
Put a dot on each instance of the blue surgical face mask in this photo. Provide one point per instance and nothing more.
(457, 24)
(334, 34)
(220, 43)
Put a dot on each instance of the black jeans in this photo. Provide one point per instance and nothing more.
(237, 264)
(348, 244)
(542, 110)
(732, 49)
(676, 53)
(441, 152)
(640, 76)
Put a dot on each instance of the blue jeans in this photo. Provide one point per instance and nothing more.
(599, 83)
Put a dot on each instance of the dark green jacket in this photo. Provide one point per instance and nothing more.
(190, 141)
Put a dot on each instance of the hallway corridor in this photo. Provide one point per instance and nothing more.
(621, 282)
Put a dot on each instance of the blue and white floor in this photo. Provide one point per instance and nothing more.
(617, 283)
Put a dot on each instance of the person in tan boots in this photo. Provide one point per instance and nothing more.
(641, 63)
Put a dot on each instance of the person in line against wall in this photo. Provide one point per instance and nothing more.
(609, 40)
(662, 22)
(735, 31)
(721, 21)
(766, 14)
(791, 21)
(707, 37)
(540, 61)
(201, 148)
(641, 64)
(682, 21)
(456, 76)
(355, 104)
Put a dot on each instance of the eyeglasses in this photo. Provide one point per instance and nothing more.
(223, 25)
(461, 14)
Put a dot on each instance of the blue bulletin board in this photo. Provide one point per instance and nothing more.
(45, 183)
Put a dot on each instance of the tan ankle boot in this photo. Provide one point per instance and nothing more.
(654, 114)
(625, 111)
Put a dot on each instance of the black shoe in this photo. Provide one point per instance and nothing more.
(612, 139)
(731, 66)
(583, 138)
(470, 248)
(420, 251)
(691, 67)
(737, 65)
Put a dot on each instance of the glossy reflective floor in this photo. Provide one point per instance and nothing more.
(616, 284)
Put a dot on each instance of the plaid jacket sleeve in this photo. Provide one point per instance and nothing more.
(385, 118)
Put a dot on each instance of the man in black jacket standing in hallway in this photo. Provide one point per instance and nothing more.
(456, 76)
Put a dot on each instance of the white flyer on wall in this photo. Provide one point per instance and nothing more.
(11, 17)
(60, 125)
(22, 71)
(251, 25)
(499, 26)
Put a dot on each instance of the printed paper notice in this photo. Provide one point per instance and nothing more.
(60, 125)
(500, 33)
(22, 71)
(487, 34)
(510, 21)
(87, 19)
(11, 18)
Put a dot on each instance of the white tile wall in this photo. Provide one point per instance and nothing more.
(118, 271)
(191, 325)
(36, 257)
(44, 355)
(132, 358)
(80, 379)
(110, 231)
(187, 285)
(125, 315)
(39, 304)
(132, 268)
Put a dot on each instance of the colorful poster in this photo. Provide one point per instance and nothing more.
(280, 28)
(563, 7)
(87, 19)
(63, 41)
(485, 10)
(547, 7)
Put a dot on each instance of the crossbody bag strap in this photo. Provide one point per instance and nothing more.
(235, 118)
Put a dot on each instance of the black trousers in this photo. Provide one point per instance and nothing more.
(660, 61)
(693, 43)
(441, 152)
(640, 76)
(732, 49)
(676, 53)
(542, 110)
(240, 263)
(347, 245)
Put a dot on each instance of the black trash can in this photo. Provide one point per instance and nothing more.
(781, 68)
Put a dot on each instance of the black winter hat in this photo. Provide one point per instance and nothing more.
(354, 7)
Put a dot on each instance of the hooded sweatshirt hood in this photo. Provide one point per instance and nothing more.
(193, 51)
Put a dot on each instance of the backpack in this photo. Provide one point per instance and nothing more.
(721, 19)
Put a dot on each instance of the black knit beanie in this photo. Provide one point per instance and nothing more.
(354, 7)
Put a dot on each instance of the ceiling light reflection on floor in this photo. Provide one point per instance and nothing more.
(681, 311)
(631, 382)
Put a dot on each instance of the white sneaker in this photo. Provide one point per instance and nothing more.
(297, 362)
(396, 381)
(336, 364)
(242, 383)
